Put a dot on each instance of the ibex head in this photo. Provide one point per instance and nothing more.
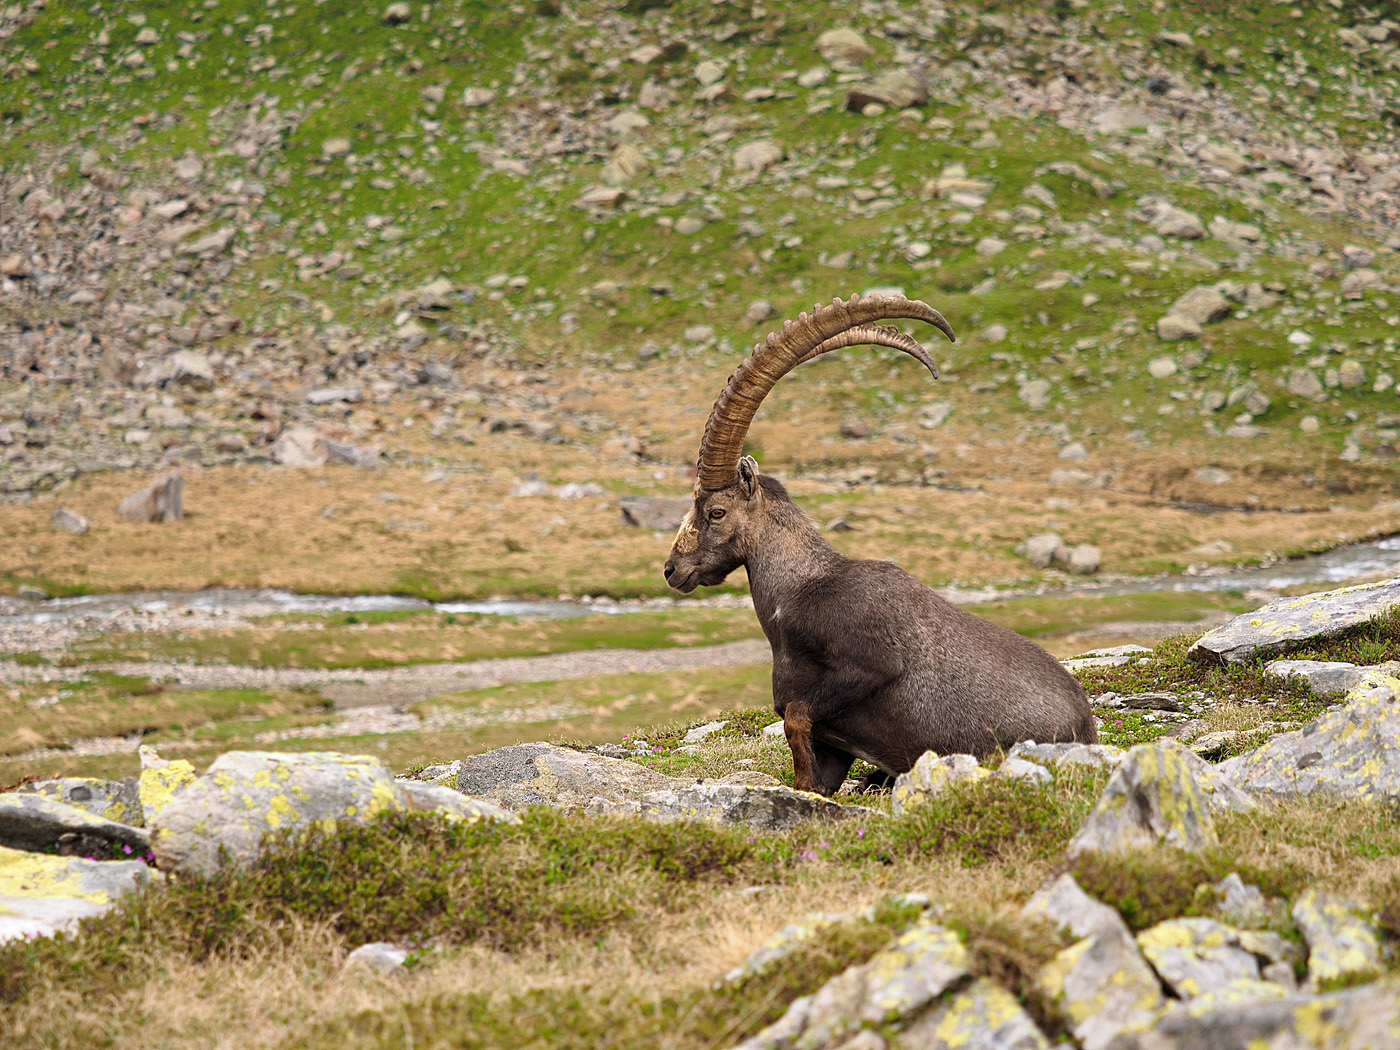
(722, 527)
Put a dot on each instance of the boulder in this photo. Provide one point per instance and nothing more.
(1196, 956)
(1046, 549)
(984, 1015)
(41, 895)
(223, 817)
(33, 822)
(1084, 560)
(654, 512)
(1365, 1018)
(894, 984)
(1062, 902)
(1204, 304)
(843, 47)
(1328, 677)
(896, 89)
(545, 775)
(770, 808)
(1160, 792)
(1341, 944)
(161, 500)
(1285, 624)
(117, 800)
(1352, 751)
(931, 775)
(1102, 988)
(64, 520)
(160, 779)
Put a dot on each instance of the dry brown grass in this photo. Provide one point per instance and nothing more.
(263, 527)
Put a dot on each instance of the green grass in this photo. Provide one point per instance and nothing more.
(1374, 642)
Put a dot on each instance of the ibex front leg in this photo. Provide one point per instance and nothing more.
(797, 727)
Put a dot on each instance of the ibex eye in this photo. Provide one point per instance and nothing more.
(716, 514)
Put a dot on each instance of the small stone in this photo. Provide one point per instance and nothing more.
(1084, 559)
(709, 72)
(1177, 222)
(855, 428)
(930, 417)
(759, 311)
(758, 156)
(1351, 374)
(1096, 756)
(843, 47)
(326, 395)
(1203, 304)
(994, 333)
(985, 1016)
(477, 97)
(1197, 956)
(1162, 367)
(1019, 769)
(396, 14)
(1173, 329)
(989, 246)
(64, 520)
(338, 146)
(1303, 382)
(1212, 476)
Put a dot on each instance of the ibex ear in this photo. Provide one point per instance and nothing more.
(748, 476)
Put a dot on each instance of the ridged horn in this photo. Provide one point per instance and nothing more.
(826, 328)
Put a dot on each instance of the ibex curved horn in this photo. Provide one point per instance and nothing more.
(849, 323)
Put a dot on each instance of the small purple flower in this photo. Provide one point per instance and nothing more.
(126, 848)
(860, 833)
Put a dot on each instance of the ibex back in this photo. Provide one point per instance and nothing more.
(867, 662)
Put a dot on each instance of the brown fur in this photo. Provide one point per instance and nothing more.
(867, 661)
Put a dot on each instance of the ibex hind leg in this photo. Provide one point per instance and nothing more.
(874, 781)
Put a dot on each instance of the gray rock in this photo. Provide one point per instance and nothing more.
(844, 47)
(1020, 769)
(1196, 956)
(161, 500)
(1046, 549)
(41, 895)
(1326, 677)
(308, 448)
(1096, 756)
(448, 802)
(1177, 222)
(64, 520)
(542, 774)
(654, 512)
(1084, 559)
(396, 14)
(930, 417)
(1173, 329)
(1161, 368)
(116, 800)
(699, 733)
(897, 89)
(1289, 623)
(1340, 943)
(1240, 901)
(1070, 908)
(1160, 792)
(931, 775)
(1203, 304)
(758, 156)
(210, 244)
(183, 368)
(380, 956)
(325, 395)
(770, 808)
(984, 1016)
(1102, 987)
(34, 822)
(223, 817)
(1212, 476)
(759, 311)
(1303, 382)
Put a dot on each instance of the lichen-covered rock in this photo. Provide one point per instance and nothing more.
(1366, 1018)
(545, 775)
(450, 803)
(224, 816)
(1327, 677)
(932, 774)
(33, 822)
(1070, 908)
(160, 779)
(1096, 756)
(118, 800)
(984, 1017)
(1196, 956)
(1102, 988)
(42, 894)
(895, 983)
(772, 808)
(1286, 624)
(1340, 943)
(1160, 792)
(1353, 751)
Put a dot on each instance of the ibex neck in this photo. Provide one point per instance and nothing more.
(791, 554)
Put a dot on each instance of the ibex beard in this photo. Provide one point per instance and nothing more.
(868, 662)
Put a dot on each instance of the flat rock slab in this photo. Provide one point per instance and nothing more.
(1161, 792)
(1365, 1018)
(545, 775)
(1286, 624)
(42, 894)
(117, 800)
(33, 822)
(771, 808)
(1353, 751)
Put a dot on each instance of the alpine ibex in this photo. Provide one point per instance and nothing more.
(867, 661)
